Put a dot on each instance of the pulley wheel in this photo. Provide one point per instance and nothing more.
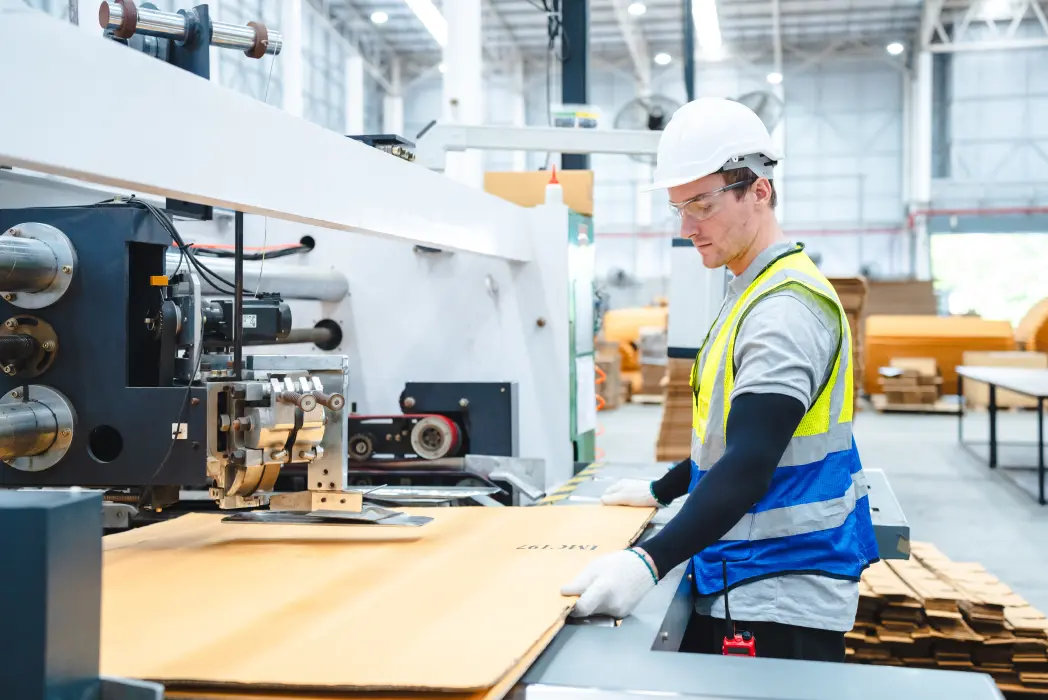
(434, 437)
(360, 448)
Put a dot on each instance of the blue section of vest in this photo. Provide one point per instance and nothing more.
(842, 551)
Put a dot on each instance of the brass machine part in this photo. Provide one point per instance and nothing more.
(310, 501)
(28, 346)
(307, 402)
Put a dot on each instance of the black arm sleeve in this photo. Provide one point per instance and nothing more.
(673, 483)
(759, 429)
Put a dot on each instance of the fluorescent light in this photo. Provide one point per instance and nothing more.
(663, 59)
(637, 9)
(895, 48)
(431, 19)
(379, 17)
(774, 78)
(707, 28)
(442, 68)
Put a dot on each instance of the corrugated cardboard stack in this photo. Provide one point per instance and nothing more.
(911, 381)
(652, 345)
(899, 297)
(945, 338)
(853, 292)
(674, 443)
(610, 387)
(931, 612)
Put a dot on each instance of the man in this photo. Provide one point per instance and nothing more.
(776, 493)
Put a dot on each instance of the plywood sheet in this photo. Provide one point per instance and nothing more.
(453, 606)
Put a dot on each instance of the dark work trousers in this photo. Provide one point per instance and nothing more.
(773, 640)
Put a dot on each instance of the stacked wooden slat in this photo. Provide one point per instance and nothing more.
(674, 442)
(853, 292)
(931, 612)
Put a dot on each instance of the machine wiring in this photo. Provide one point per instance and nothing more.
(148, 488)
(265, 223)
(225, 251)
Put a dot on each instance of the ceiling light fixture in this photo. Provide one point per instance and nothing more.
(774, 78)
(442, 68)
(663, 59)
(379, 17)
(637, 9)
(431, 19)
(895, 48)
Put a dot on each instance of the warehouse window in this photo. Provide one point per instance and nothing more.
(324, 73)
(998, 276)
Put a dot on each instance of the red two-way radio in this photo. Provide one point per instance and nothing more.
(734, 644)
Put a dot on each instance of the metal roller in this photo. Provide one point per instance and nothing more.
(126, 19)
(36, 265)
(291, 282)
(35, 431)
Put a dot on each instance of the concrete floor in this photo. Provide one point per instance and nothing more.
(950, 497)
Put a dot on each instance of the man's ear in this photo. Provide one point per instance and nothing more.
(762, 190)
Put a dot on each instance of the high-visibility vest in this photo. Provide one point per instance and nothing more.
(815, 517)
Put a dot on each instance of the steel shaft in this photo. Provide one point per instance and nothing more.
(26, 429)
(26, 265)
(172, 25)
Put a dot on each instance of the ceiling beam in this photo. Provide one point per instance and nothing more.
(635, 44)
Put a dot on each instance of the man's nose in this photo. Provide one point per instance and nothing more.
(688, 228)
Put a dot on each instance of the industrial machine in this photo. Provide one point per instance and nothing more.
(117, 375)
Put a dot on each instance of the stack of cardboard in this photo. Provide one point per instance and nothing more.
(898, 297)
(931, 612)
(674, 443)
(944, 338)
(609, 386)
(853, 292)
(911, 381)
(652, 346)
(977, 394)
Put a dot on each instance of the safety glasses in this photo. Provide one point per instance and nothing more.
(707, 204)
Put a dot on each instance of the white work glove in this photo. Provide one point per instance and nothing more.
(611, 585)
(629, 492)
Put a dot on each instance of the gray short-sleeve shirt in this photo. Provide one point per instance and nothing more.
(786, 345)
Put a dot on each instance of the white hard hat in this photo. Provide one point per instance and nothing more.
(710, 134)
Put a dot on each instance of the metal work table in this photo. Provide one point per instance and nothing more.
(1029, 382)
(638, 656)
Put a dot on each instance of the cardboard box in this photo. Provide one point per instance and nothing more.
(944, 338)
(610, 388)
(528, 189)
(977, 394)
(340, 608)
(911, 380)
(652, 377)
